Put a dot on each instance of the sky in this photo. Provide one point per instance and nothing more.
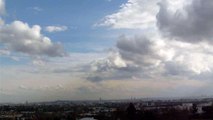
(109, 49)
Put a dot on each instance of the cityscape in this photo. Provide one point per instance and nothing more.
(132, 109)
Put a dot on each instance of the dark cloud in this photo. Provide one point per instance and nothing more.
(175, 69)
(138, 45)
(134, 58)
(95, 78)
(191, 23)
(138, 50)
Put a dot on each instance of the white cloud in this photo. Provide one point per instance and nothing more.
(4, 52)
(155, 58)
(56, 28)
(20, 37)
(189, 22)
(2, 7)
(38, 62)
(37, 9)
(135, 14)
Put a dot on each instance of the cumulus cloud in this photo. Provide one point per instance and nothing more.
(138, 50)
(20, 37)
(178, 49)
(145, 58)
(188, 21)
(135, 14)
(111, 67)
(131, 57)
(56, 28)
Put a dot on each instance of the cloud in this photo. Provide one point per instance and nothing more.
(151, 58)
(177, 49)
(4, 52)
(20, 37)
(56, 28)
(2, 7)
(130, 59)
(188, 21)
(139, 50)
(38, 61)
(37, 9)
(1, 22)
(108, 68)
(135, 14)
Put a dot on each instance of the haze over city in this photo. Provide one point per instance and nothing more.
(110, 49)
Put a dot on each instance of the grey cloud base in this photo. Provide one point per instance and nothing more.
(193, 23)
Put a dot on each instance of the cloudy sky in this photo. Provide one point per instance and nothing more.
(113, 49)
